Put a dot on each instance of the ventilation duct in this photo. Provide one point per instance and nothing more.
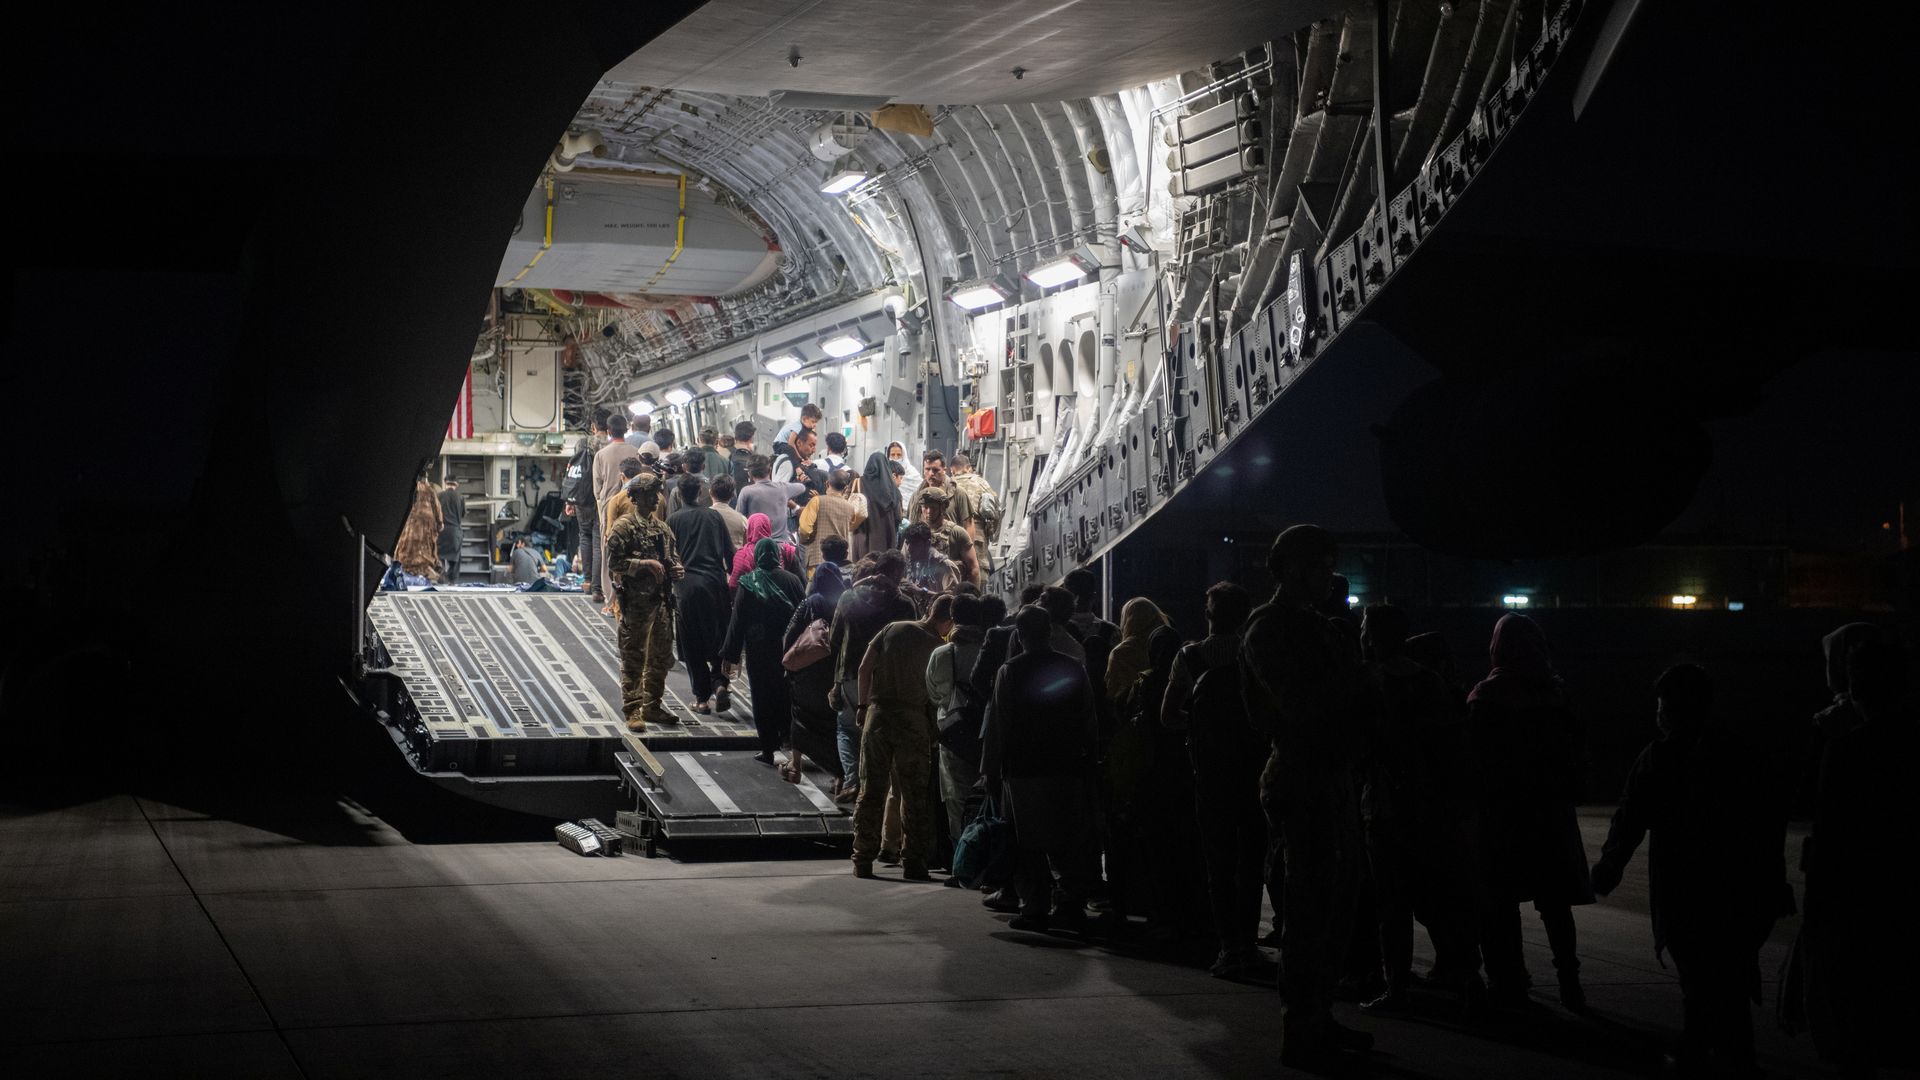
(835, 140)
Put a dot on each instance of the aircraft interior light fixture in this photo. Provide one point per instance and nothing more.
(974, 295)
(783, 365)
(1062, 269)
(843, 181)
(1352, 600)
(678, 396)
(1515, 600)
(1685, 600)
(641, 407)
(841, 346)
(723, 382)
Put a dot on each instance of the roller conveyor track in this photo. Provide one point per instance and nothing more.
(514, 698)
(529, 674)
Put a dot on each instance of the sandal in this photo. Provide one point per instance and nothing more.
(701, 707)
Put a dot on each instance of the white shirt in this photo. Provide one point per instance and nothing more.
(909, 484)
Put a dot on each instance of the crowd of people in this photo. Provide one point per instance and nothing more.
(1334, 766)
(737, 540)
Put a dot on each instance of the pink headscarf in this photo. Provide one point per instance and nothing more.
(1522, 665)
(759, 527)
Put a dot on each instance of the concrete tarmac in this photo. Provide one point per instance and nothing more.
(140, 937)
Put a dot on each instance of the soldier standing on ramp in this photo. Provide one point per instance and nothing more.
(644, 565)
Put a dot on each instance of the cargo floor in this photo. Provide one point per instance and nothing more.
(494, 664)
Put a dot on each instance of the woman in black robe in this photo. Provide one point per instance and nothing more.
(880, 532)
(813, 717)
(706, 550)
(762, 606)
(1530, 750)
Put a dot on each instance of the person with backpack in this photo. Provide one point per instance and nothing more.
(864, 610)
(959, 713)
(582, 505)
(1096, 635)
(1041, 754)
(895, 718)
(1203, 702)
(985, 503)
(740, 457)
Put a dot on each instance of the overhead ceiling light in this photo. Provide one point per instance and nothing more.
(1072, 266)
(974, 295)
(640, 407)
(783, 365)
(841, 346)
(843, 181)
(679, 395)
(722, 382)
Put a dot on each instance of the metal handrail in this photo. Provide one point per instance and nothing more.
(362, 550)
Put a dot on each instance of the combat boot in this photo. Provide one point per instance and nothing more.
(654, 714)
(637, 722)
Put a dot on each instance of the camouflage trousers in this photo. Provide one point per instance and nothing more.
(646, 655)
(896, 752)
(1317, 820)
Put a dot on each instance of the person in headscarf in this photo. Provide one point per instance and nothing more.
(1530, 747)
(1839, 717)
(810, 688)
(1128, 660)
(880, 532)
(418, 549)
(706, 551)
(1162, 811)
(760, 527)
(910, 478)
(1855, 989)
(762, 606)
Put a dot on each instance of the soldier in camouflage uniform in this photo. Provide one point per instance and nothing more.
(644, 565)
(1300, 678)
